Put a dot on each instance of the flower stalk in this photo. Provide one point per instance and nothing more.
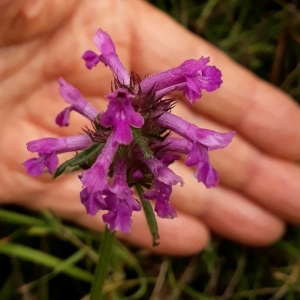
(102, 265)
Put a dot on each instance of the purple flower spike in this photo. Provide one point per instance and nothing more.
(36, 166)
(60, 145)
(161, 172)
(162, 194)
(120, 201)
(95, 178)
(72, 96)
(121, 115)
(108, 56)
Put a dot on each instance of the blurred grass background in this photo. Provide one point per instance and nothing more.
(42, 257)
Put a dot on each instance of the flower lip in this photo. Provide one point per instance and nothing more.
(121, 115)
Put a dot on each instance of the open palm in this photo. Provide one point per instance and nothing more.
(259, 188)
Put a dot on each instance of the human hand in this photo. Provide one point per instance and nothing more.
(259, 178)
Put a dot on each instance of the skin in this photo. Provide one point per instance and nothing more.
(42, 40)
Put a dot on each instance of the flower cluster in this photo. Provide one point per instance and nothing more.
(130, 142)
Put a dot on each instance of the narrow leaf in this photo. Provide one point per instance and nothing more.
(47, 260)
(150, 217)
(81, 158)
(141, 142)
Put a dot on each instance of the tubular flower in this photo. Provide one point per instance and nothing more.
(130, 142)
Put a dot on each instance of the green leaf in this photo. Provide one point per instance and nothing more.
(47, 260)
(141, 142)
(74, 163)
(151, 220)
(19, 219)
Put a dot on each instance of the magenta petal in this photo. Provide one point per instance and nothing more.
(214, 140)
(211, 78)
(120, 201)
(123, 133)
(110, 57)
(119, 219)
(93, 202)
(161, 193)
(161, 172)
(72, 96)
(150, 195)
(165, 210)
(206, 174)
(192, 90)
(121, 115)
(95, 178)
(63, 117)
(209, 138)
(36, 166)
(198, 156)
(198, 153)
(168, 158)
(91, 59)
(175, 76)
(60, 145)
(51, 162)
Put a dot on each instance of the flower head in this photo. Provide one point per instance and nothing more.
(130, 142)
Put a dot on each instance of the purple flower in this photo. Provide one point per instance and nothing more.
(192, 76)
(168, 158)
(207, 174)
(48, 148)
(108, 56)
(161, 172)
(113, 147)
(60, 145)
(198, 157)
(161, 193)
(121, 115)
(93, 201)
(72, 96)
(119, 201)
(94, 180)
(36, 166)
(209, 138)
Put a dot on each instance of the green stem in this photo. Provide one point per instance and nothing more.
(103, 262)
(149, 214)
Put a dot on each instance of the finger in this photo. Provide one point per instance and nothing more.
(260, 112)
(22, 20)
(184, 235)
(272, 182)
(226, 212)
